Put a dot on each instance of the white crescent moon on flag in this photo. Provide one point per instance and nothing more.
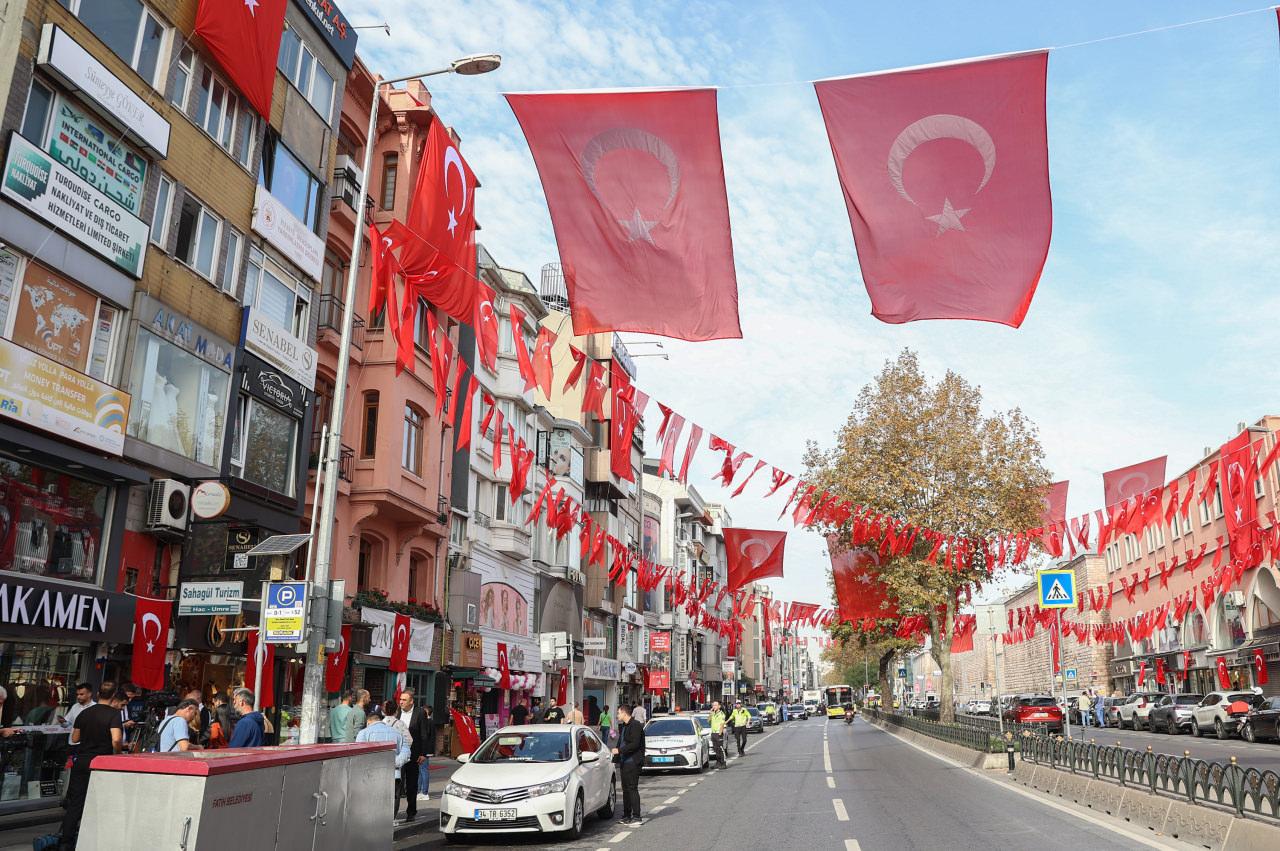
(752, 542)
(1142, 481)
(150, 618)
(941, 126)
(630, 139)
(453, 160)
(402, 629)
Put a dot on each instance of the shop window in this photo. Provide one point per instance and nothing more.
(411, 457)
(129, 28)
(369, 440)
(390, 166)
(39, 680)
(56, 317)
(199, 231)
(279, 296)
(264, 446)
(289, 182)
(179, 400)
(51, 523)
(225, 116)
(306, 72)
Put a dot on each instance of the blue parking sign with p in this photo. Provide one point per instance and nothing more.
(1057, 589)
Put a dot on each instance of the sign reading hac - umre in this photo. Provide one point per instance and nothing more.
(63, 610)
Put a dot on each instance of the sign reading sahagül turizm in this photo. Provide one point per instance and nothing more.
(48, 189)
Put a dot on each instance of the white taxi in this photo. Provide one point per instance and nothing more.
(676, 741)
(538, 778)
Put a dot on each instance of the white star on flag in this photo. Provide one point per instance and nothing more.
(638, 227)
(949, 218)
(252, 6)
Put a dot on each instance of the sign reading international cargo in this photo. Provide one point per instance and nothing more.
(88, 147)
(47, 395)
(210, 598)
(46, 188)
(285, 616)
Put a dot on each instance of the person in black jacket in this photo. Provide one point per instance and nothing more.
(630, 756)
(422, 732)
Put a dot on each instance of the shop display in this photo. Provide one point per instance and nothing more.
(180, 401)
(50, 522)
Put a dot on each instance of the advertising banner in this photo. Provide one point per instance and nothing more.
(90, 149)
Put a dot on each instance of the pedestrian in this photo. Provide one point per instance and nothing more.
(630, 756)
(362, 700)
(554, 715)
(1083, 704)
(250, 730)
(200, 727)
(519, 714)
(376, 731)
(84, 699)
(345, 720)
(133, 714)
(717, 721)
(536, 711)
(593, 711)
(420, 729)
(424, 764)
(220, 726)
(741, 720)
(97, 732)
(640, 714)
(175, 731)
(1100, 707)
(606, 723)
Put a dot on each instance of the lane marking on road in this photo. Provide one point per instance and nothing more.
(852, 845)
(658, 808)
(621, 836)
(826, 757)
(672, 799)
(694, 783)
(831, 783)
(681, 791)
(841, 813)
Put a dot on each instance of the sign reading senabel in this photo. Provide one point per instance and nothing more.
(280, 348)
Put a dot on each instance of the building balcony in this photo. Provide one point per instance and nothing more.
(329, 326)
(346, 191)
(346, 458)
(509, 539)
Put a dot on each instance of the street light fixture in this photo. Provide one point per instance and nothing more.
(313, 678)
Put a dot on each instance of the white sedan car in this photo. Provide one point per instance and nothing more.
(538, 778)
(675, 741)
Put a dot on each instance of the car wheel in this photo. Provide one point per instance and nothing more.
(611, 803)
(1137, 723)
(1219, 730)
(575, 829)
(1173, 727)
(1246, 732)
(1195, 729)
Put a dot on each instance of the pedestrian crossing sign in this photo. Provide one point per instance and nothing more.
(1057, 589)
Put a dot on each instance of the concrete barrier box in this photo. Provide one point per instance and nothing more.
(1104, 797)
(1073, 787)
(1144, 809)
(1198, 825)
(1249, 835)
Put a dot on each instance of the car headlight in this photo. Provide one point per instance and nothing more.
(549, 788)
(457, 790)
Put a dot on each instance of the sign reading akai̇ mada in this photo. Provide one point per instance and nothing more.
(69, 612)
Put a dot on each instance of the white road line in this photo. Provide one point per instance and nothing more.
(621, 836)
(658, 808)
(671, 800)
(826, 757)
(841, 813)
(831, 783)
(694, 783)
(852, 845)
(681, 791)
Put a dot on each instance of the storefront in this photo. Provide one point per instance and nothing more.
(600, 676)
(506, 624)
(370, 670)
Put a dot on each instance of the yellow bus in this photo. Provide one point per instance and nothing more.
(837, 697)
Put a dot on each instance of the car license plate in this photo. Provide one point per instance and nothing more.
(1039, 716)
(496, 815)
(664, 759)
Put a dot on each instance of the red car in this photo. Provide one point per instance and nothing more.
(1034, 709)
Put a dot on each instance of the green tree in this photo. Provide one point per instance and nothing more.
(928, 454)
(860, 658)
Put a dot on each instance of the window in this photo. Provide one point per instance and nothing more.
(499, 502)
(286, 178)
(185, 65)
(198, 233)
(505, 343)
(55, 520)
(131, 580)
(130, 29)
(421, 337)
(278, 295)
(306, 73)
(364, 565)
(222, 114)
(411, 455)
(369, 439)
(179, 401)
(36, 118)
(264, 446)
(390, 165)
(230, 263)
(457, 531)
(160, 215)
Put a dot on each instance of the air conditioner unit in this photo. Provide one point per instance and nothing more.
(168, 506)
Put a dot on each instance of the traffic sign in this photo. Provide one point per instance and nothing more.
(1057, 589)
(1071, 673)
(286, 613)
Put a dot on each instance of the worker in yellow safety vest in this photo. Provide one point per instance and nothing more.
(718, 721)
(740, 718)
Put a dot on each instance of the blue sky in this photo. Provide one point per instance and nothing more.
(1153, 330)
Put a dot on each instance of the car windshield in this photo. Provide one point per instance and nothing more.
(753, 712)
(1188, 699)
(526, 747)
(670, 727)
(1037, 701)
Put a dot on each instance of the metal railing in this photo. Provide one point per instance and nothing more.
(974, 738)
(346, 458)
(331, 318)
(1247, 791)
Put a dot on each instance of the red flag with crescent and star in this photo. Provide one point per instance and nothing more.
(504, 667)
(150, 641)
(860, 592)
(486, 327)
(1135, 480)
(401, 631)
(263, 654)
(1239, 476)
(335, 668)
(1224, 678)
(635, 185)
(244, 37)
(945, 172)
(752, 554)
(1259, 666)
(465, 727)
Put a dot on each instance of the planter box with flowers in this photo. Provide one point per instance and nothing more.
(374, 598)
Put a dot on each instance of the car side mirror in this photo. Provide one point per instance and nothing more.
(589, 756)
(464, 757)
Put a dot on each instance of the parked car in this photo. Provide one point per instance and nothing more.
(530, 779)
(769, 710)
(757, 720)
(1172, 713)
(1111, 711)
(981, 707)
(675, 741)
(1133, 712)
(1035, 709)
(1263, 720)
(1214, 713)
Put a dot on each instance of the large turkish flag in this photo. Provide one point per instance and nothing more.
(635, 185)
(336, 663)
(244, 36)
(945, 171)
(860, 593)
(752, 554)
(150, 641)
(1239, 475)
(1135, 480)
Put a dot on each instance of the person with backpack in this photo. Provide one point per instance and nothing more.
(175, 731)
(250, 730)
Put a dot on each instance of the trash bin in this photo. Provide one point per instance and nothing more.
(282, 798)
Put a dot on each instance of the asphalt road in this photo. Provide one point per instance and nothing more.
(827, 785)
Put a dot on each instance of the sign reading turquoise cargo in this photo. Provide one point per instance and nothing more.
(46, 188)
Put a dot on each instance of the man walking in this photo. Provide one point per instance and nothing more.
(606, 724)
(1100, 708)
(424, 764)
(97, 732)
(420, 729)
(250, 729)
(741, 720)
(345, 721)
(376, 731)
(630, 754)
(519, 714)
(718, 721)
(1083, 704)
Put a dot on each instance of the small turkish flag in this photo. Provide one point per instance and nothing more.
(486, 327)
(860, 592)
(1186, 665)
(1135, 480)
(1160, 677)
(465, 727)
(442, 353)
(401, 631)
(1224, 679)
(945, 171)
(753, 554)
(1259, 666)
(504, 668)
(767, 629)
(597, 391)
(542, 368)
(622, 423)
(562, 692)
(635, 185)
(1239, 475)
(261, 655)
(150, 641)
(1055, 504)
(244, 37)
(335, 668)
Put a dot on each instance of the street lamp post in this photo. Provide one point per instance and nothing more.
(313, 679)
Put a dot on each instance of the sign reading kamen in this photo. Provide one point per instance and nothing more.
(52, 609)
